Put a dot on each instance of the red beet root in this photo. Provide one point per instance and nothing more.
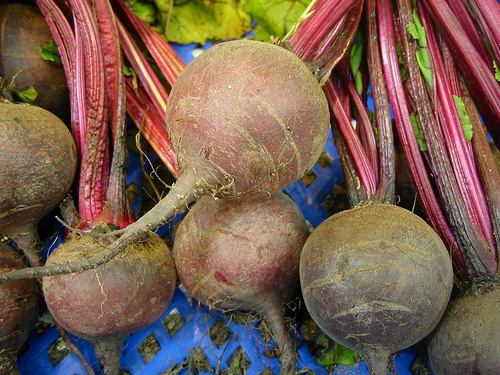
(244, 116)
(243, 253)
(108, 303)
(19, 305)
(467, 340)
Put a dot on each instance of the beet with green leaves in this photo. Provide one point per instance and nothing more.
(243, 253)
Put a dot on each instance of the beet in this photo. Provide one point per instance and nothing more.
(244, 116)
(38, 165)
(23, 31)
(376, 279)
(467, 340)
(243, 253)
(108, 303)
(20, 303)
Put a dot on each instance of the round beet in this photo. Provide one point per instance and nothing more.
(23, 30)
(37, 166)
(376, 279)
(251, 114)
(243, 253)
(106, 304)
(244, 117)
(20, 301)
(467, 340)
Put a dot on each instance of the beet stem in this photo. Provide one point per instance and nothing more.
(176, 201)
(108, 353)
(285, 342)
(378, 363)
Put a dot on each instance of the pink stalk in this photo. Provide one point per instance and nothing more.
(151, 125)
(157, 99)
(477, 73)
(386, 186)
(168, 61)
(145, 73)
(406, 134)
(64, 36)
(112, 54)
(468, 25)
(360, 159)
(461, 156)
(323, 38)
(318, 30)
(91, 83)
(117, 209)
(487, 14)
(475, 252)
(363, 127)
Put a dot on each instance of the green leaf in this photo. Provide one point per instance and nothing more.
(403, 71)
(417, 31)
(145, 11)
(199, 21)
(345, 356)
(275, 18)
(49, 52)
(465, 120)
(424, 63)
(497, 70)
(355, 56)
(26, 96)
(419, 134)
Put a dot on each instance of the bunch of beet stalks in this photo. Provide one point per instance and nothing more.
(429, 67)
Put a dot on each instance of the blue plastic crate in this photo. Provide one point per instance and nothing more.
(167, 349)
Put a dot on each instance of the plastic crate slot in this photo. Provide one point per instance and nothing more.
(308, 178)
(325, 160)
(239, 360)
(57, 351)
(198, 362)
(149, 348)
(173, 322)
(219, 333)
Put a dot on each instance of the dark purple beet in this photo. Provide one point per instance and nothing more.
(23, 30)
(467, 340)
(243, 253)
(106, 304)
(19, 306)
(37, 167)
(376, 279)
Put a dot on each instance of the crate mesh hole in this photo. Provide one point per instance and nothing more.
(325, 160)
(173, 322)
(149, 348)
(44, 323)
(308, 178)
(238, 363)
(198, 362)
(57, 351)
(219, 333)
